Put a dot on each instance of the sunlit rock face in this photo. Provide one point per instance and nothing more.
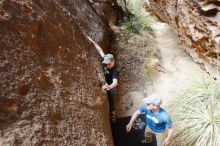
(110, 9)
(50, 74)
(197, 25)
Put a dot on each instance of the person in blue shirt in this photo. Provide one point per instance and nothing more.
(156, 118)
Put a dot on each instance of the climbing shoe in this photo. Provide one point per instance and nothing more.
(113, 117)
(148, 138)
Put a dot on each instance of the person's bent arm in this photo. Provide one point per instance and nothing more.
(113, 84)
(169, 136)
(133, 118)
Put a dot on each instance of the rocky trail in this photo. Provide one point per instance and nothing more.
(174, 70)
(179, 69)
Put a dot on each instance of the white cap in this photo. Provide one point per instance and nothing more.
(153, 99)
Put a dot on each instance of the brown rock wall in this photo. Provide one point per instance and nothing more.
(197, 25)
(110, 9)
(50, 74)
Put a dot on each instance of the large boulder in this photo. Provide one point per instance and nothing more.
(50, 74)
(197, 25)
(110, 9)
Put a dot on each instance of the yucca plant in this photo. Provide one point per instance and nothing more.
(196, 114)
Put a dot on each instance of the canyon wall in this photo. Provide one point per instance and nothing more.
(51, 74)
(197, 24)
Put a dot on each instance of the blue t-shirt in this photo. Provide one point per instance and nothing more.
(156, 121)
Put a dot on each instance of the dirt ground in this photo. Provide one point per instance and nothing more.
(151, 63)
(132, 52)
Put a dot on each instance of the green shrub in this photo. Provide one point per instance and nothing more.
(196, 114)
(132, 24)
(148, 68)
(139, 21)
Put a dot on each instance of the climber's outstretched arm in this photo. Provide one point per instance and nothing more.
(97, 47)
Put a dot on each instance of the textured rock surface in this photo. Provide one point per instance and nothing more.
(109, 8)
(50, 74)
(197, 24)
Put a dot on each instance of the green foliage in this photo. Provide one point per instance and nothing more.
(139, 21)
(148, 68)
(132, 24)
(196, 114)
(152, 60)
(122, 44)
